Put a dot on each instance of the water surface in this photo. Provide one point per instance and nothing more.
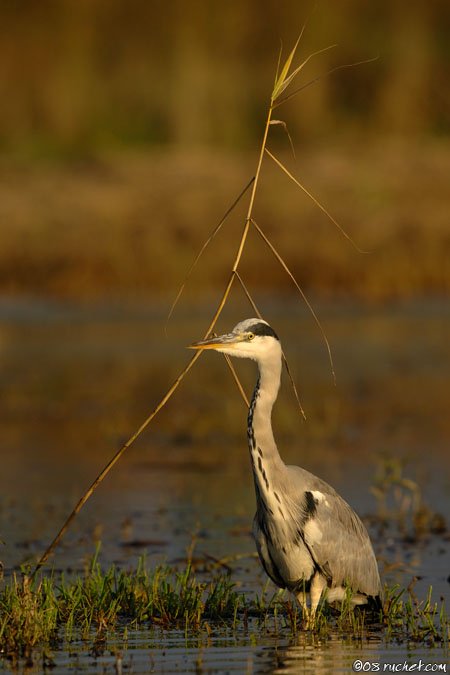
(76, 381)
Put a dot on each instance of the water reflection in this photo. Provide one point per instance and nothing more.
(339, 655)
(256, 650)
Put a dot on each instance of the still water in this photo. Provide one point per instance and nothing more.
(253, 653)
(77, 381)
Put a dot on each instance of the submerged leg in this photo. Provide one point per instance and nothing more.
(339, 594)
(318, 583)
(301, 599)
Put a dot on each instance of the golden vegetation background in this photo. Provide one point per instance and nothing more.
(126, 130)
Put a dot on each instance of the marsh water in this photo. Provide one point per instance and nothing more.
(78, 380)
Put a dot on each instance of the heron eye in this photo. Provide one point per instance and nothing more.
(250, 337)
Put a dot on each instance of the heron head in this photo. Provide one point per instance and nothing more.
(251, 339)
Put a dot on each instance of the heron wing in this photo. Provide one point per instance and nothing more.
(340, 545)
(337, 539)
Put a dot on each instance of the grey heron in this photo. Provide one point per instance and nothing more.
(309, 540)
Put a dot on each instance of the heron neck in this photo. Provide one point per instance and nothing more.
(262, 446)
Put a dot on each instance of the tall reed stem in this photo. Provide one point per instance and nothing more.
(113, 461)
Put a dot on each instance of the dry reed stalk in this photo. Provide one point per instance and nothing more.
(283, 80)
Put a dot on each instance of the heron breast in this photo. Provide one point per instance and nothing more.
(289, 555)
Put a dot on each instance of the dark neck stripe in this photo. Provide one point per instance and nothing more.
(251, 410)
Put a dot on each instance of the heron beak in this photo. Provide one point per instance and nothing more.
(227, 340)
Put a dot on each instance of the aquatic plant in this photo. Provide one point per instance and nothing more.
(33, 610)
(400, 503)
(49, 611)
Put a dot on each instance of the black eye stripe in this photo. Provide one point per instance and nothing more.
(263, 329)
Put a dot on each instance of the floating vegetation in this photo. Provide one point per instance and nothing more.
(40, 614)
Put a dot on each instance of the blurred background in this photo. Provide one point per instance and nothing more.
(126, 131)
